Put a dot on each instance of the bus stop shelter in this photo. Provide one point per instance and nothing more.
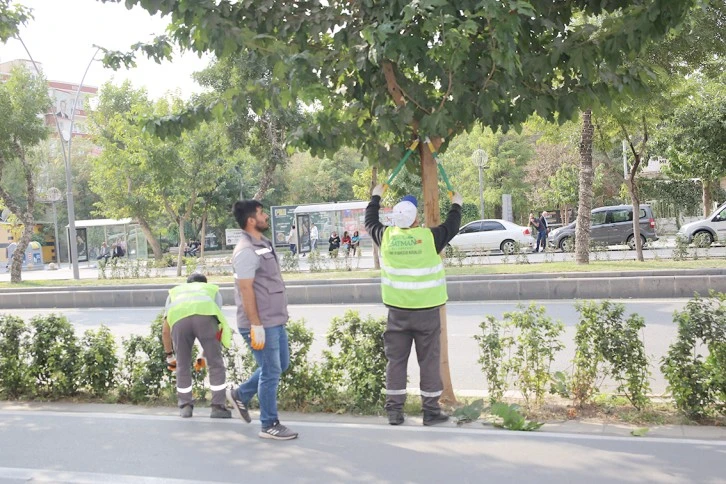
(90, 234)
(328, 218)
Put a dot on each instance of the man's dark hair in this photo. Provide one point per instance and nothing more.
(197, 277)
(244, 209)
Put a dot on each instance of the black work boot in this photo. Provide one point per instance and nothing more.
(434, 418)
(395, 417)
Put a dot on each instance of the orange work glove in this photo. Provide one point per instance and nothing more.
(257, 337)
(200, 364)
(171, 362)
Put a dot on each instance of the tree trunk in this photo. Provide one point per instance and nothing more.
(182, 243)
(707, 188)
(582, 230)
(374, 182)
(432, 218)
(635, 199)
(203, 240)
(153, 241)
(19, 254)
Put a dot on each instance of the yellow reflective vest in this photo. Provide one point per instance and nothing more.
(412, 275)
(197, 298)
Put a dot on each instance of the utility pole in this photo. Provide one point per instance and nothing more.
(480, 159)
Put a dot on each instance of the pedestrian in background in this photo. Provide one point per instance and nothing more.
(413, 287)
(542, 231)
(292, 239)
(355, 242)
(333, 243)
(261, 318)
(345, 243)
(313, 237)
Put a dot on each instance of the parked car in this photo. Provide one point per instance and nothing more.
(609, 226)
(492, 234)
(710, 229)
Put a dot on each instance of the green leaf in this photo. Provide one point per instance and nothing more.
(639, 432)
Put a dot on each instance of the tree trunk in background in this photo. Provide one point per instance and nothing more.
(19, 254)
(153, 241)
(707, 187)
(204, 235)
(374, 182)
(582, 230)
(182, 243)
(432, 216)
(635, 198)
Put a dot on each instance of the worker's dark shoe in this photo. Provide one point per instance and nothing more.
(220, 411)
(431, 418)
(240, 408)
(278, 432)
(395, 417)
(186, 411)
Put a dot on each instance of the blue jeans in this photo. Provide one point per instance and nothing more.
(541, 237)
(272, 360)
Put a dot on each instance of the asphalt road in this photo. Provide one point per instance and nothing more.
(76, 447)
(463, 324)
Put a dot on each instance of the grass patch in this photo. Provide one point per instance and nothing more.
(544, 268)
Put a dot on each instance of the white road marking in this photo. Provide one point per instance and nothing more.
(68, 477)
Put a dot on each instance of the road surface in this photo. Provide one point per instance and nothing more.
(77, 447)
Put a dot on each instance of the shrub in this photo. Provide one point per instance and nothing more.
(55, 363)
(359, 367)
(144, 374)
(604, 336)
(289, 263)
(302, 383)
(524, 350)
(698, 384)
(14, 339)
(98, 373)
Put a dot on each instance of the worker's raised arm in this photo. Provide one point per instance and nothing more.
(374, 227)
(447, 230)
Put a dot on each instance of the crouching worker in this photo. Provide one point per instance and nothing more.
(194, 311)
(413, 286)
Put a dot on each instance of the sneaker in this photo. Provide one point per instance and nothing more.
(237, 404)
(278, 432)
(395, 417)
(220, 411)
(434, 418)
(186, 410)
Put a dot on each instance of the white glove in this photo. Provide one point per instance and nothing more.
(257, 337)
(378, 190)
(457, 199)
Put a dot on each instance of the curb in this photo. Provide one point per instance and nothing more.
(682, 284)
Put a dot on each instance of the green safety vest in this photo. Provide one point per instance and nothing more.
(412, 275)
(197, 298)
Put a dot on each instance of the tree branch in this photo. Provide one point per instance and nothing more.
(395, 90)
(448, 91)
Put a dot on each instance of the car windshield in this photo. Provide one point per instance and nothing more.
(720, 212)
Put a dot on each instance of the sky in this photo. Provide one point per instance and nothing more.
(63, 32)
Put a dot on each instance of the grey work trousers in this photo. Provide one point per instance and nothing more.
(183, 333)
(403, 328)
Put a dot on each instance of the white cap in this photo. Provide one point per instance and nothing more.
(404, 214)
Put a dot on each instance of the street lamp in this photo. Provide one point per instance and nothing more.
(73, 243)
(54, 195)
(480, 159)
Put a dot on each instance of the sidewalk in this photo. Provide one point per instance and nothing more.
(577, 427)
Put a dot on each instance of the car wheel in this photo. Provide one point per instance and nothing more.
(567, 244)
(703, 238)
(631, 241)
(507, 247)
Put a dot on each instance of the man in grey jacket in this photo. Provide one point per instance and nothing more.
(261, 318)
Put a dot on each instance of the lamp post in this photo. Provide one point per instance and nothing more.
(54, 195)
(480, 159)
(72, 242)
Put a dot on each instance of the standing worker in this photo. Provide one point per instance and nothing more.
(194, 311)
(261, 318)
(413, 286)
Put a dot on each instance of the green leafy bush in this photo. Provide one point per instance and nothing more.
(55, 363)
(608, 344)
(524, 350)
(359, 367)
(14, 372)
(698, 383)
(98, 374)
(511, 418)
(144, 374)
(301, 384)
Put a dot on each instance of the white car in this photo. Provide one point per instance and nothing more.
(710, 229)
(492, 234)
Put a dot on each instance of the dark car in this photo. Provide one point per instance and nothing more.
(609, 226)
